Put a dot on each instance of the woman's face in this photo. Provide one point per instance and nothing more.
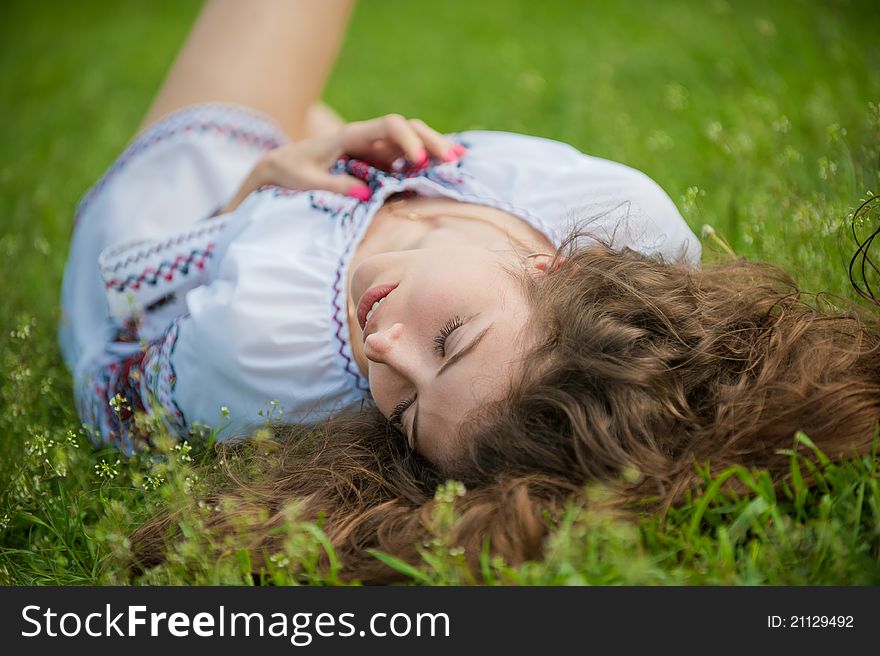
(447, 339)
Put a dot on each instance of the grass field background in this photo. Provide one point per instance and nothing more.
(760, 119)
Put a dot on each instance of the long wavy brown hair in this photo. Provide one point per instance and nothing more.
(644, 368)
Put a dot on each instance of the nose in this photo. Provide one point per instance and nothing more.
(380, 345)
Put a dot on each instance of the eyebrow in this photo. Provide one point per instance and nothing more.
(451, 361)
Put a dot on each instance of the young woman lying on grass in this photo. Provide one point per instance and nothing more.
(495, 308)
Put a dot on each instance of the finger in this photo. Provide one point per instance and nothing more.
(348, 185)
(441, 147)
(382, 154)
(394, 136)
(340, 184)
(402, 133)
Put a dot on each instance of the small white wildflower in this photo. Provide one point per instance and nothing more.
(447, 492)
(792, 154)
(182, 449)
(189, 482)
(714, 130)
(152, 482)
(689, 200)
(71, 439)
(836, 133)
(23, 330)
(39, 445)
(279, 560)
(782, 125)
(827, 168)
(659, 140)
(106, 470)
(677, 96)
(119, 403)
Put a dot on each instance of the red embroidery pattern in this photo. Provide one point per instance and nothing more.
(165, 271)
(213, 226)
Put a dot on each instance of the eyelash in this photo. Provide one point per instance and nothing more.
(440, 340)
(394, 419)
(439, 348)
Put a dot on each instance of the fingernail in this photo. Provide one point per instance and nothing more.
(421, 158)
(360, 191)
(459, 149)
(451, 155)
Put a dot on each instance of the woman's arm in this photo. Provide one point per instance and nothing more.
(272, 55)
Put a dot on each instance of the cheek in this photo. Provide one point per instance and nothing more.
(379, 388)
(448, 454)
(463, 288)
(431, 300)
(441, 301)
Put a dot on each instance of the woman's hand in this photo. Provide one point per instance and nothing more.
(381, 142)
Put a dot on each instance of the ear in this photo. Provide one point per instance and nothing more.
(546, 263)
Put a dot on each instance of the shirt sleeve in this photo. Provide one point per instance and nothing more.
(130, 380)
(234, 313)
(132, 374)
(145, 282)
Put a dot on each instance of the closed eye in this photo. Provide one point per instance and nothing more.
(396, 414)
(440, 340)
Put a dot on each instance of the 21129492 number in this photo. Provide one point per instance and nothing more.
(810, 622)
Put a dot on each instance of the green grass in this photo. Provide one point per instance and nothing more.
(760, 119)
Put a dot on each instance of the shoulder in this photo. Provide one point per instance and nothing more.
(489, 143)
(537, 153)
(563, 185)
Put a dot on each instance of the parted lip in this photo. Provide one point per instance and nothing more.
(369, 297)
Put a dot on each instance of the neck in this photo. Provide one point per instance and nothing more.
(413, 223)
